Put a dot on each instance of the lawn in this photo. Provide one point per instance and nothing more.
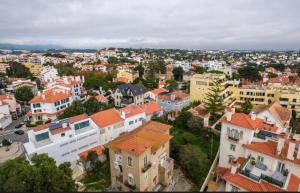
(98, 181)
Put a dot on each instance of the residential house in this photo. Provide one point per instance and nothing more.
(126, 94)
(139, 160)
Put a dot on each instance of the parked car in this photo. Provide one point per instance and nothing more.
(19, 132)
(18, 126)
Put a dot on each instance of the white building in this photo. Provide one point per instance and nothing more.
(21, 83)
(47, 105)
(184, 65)
(48, 74)
(64, 140)
(254, 157)
(74, 84)
(5, 117)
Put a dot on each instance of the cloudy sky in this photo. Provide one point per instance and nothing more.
(192, 24)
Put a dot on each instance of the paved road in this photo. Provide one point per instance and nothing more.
(8, 132)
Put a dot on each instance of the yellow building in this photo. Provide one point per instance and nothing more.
(200, 85)
(125, 75)
(286, 95)
(139, 160)
(35, 69)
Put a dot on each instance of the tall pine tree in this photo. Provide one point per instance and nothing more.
(213, 102)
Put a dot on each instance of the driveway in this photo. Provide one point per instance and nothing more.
(15, 150)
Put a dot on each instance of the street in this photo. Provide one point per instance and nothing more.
(8, 132)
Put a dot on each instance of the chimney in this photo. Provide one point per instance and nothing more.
(291, 150)
(172, 97)
(43, 96)
(253, 116)
(281, 139)
(123, 114)
(64, 125)
(228, 113)
(234, 167)
(39, 93)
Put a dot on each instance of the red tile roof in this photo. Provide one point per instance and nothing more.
(59, 130)
(250, 185)
(245, 121)
(131, 110)
(50, 96)
(40, 127)
(78, 118)
(151, 108)
(98, 149)
(151, 135)
(158, 90)
(106, 117)
(270, 148)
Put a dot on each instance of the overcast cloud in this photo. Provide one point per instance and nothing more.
(197, 24)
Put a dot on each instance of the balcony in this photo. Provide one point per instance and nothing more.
(257, 171)
(231, 138)
(146, 168)
(130, 186)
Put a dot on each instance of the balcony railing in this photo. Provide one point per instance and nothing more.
(233, 138)
(148, 166)
(272, 180)
(131, 186)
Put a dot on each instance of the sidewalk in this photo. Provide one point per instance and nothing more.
(15, 150)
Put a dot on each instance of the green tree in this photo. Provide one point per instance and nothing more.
(43, 175)
(6, 143)
(178, 73)
(193, 162)
(91, 163)
(188, 138)
(140, 69)
(76, 108)
(200, 69)
(195, 123)
(38, 84)
(181, 120)
(247, 107)
(213, 102)
(18, 70)
(112, 60)
(24, 94)
(249, 73)
(293, 121)
(92, 105)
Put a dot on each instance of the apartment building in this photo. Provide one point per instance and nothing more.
(49, 103)
(254, 156)
(3, 67)
(153, 94)
(126, 76)
(126, 94)
(73, 84)
(35, 69)
(286, 95)
(20, 83)
(200, 85)
(48, 74)
(13, 106)
(183, 64)
(5, 116)
(139, 160)
(63, 140)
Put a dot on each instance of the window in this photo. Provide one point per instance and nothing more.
(241, 134)
(145, 161)
(62, 134)
(42, 136)
(37, 105)
(130, 179)
(234, 189)
(260, 159)
(129, 161)
(232, 147)
(82, 125)
(131, 122)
